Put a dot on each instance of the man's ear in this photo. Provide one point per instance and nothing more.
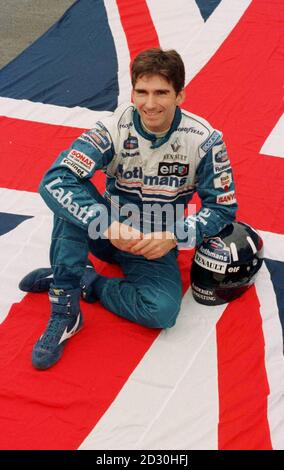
(132, 100)
(180, 97)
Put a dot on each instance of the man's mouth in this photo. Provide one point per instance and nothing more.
(152, 113)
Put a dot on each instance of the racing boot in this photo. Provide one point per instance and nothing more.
(41, 279)
(38, 280)
(66, 319)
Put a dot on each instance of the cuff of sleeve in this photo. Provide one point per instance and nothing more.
(185, 234)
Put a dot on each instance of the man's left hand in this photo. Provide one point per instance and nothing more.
(154, 245)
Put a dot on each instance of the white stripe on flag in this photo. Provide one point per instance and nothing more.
(177, 23)
(179, 26)
(274, 359)
(196, 44)
(274, 144)
(179, 372)
(50, 113)
(273, 245)
(122, 50)
(24, 248)
(216, 29)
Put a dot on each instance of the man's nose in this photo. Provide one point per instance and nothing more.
(150, 101)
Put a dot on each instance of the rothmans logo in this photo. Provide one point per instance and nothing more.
(176, 145)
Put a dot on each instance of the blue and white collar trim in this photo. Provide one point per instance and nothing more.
(156, 141)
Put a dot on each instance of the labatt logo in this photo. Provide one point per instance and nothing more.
(66, 201)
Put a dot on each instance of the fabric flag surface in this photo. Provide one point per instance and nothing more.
(215, 380)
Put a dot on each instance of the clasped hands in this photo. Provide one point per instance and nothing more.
(151, 245)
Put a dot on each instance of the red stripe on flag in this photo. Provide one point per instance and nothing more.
(240, 91)
(28, 149)
(58, 408)
(243, 385)
(138, 25)
(31, 148)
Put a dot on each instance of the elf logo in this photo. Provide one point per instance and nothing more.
(173, 169)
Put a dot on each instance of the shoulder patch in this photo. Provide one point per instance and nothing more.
(223, 181)
(78, 162)
(221, 161)
(99, 137)
(212, 139)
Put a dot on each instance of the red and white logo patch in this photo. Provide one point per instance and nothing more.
(81, 159)
(223, 181)
(227, 198)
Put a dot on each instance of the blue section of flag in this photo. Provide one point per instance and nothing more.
(9, 222)
(207, 7)
(73, 64)
(276, 269)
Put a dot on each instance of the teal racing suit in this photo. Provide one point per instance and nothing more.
(142, 172)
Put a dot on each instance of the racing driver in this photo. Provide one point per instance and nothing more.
(156, 155)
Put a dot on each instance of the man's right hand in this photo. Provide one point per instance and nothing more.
(123, 236)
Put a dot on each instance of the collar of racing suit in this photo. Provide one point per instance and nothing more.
(156, 141)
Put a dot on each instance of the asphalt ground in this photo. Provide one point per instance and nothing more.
(23, 21)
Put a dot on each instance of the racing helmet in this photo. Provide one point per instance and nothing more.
(224, 266)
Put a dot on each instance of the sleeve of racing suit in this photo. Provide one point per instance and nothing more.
(216, 189)
(66, 187)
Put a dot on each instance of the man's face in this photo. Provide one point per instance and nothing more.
(156, 101)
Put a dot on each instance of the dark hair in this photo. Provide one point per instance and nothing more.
(155, 61)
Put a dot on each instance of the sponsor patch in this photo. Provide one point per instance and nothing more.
(220, 158)
(204, 294)
(211, 264)
(131, 142)
(175, 157)
(193, 130)
(130, 154)
(100, 137)
(216, 249)
(214, 137)
(227, 199)
(136, 173)
(87, 138)
(173, 169)
(65, 199)
(85, 162)
(74, 167)
(176, 145)
(223, 181)
(127, 125)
